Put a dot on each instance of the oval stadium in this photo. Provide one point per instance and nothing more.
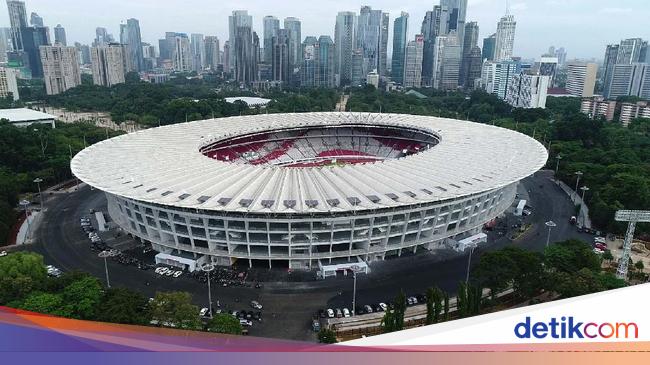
(309, 190)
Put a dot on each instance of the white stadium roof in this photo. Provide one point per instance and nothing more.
(164, 166)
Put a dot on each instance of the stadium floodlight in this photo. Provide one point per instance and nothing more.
(632, 217)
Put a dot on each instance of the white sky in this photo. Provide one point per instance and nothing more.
(583, 27)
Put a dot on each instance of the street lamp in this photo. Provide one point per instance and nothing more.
(354, 269)
(584, 189)
(38, 182)
(550, 225)
(208, 267)
(578, 174)
(557, 165)
(104, 255)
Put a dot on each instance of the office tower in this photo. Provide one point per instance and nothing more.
(59, 35)
(318, 62)
(256, 58)
(292, 25)
(548, 67)
(413, 67)
(108, 64)
(527, 91)
(181, 53)
(238, 19)
(5, 43)
(357, 67)
(60, 68)
(495, 76)
(243, 55)
(84, 53)
(35, 20)
(611, 56)
(281, 56)
(400, 32)
(489, 46)
(470, 41)
(102, 37)
(212, 55)
(149, 55)
(581, 79)
(475, 65)
(344, 41)
(628, 80)
(433, 25)
(308, 69)
(130, 36)
(225, 59)
(505, 38)
(33, 38)
(271, 26)
(17, 21)
(456, 12)
(372, 38)
(560, 53)
(198, 52)
(632, 51)
(8, 83)
(447, 61)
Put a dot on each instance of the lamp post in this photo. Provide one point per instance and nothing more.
(550, 225)
(104, 255)
(38, 182)
(557, 165)
(578, 174)
(354, 292)
(584, 189)
(208, 267)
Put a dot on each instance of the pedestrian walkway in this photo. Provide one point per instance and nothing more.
(583, 215)
(27, 229)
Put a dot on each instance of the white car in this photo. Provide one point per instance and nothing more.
(600, 240)
(330, 313)
(203, 312)
(245, 322)
(383, 306)
(598, 251)
(346, 312)
(255, 304)
(178, 273)
(161, 270)
(3, 253)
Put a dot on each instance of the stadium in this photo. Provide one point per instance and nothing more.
(310, 190)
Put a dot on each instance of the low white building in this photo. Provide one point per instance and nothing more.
(528, 91)
(251, 101)
(22, 117)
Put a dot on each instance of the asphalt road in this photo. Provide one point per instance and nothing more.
(289, 305)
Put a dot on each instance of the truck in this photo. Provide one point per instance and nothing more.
(519, 211)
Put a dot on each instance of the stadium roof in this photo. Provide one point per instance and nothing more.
(21, 115)
(164, 166)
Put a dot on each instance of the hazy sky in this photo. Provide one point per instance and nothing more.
(583, 27)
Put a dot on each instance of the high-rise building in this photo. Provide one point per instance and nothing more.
(372, 38)
(474, 68)
(18, 21)
(344, 40)
(271, 26)
(102, 37)
(212, 55)
(281, 66)
(59, 35)
(489, 47)
(400, 32)
(256, 58)
(225, 59)
(470, 41)
(309, 62)
(8, 83)
(548, 67)
(632, 50)
(611, 56)
(505, 38)
(456, 13)
(496, 76)
(60, 68)
(447, 62)
(33, 38)
(244, 55)
(628, 80)
(149, 55)
(292, 25)
(35, 20)
(413, 67)
(198, 52)
(527, 91)
(108, 64)
(84, 53)
(560, 53)
(181, 53)
(581, 78)
(357, 67)
(130, 37)
(431, 28)
(318, 62)
(5, 43)
(238, 19)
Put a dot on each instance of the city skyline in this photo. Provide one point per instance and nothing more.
(577, 18)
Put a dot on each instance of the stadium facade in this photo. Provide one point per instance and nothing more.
(307, 190)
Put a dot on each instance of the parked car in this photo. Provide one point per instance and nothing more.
(203, 312)
(330, 313)
(255, 304)
(367, 308)
(383, 306)
(339, 313)
(346, 312)
(245, 322)
(3, 253)
(598, 251)
(315, 325)
(178, 273)
(600, 239)
(601, 246)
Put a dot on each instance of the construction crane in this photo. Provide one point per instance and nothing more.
(632, 217)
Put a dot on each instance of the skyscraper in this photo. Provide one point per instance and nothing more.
(318, 62)
(292, 25)
(102, 37)
(84, 53)
(628, 80)
(372, 39)
(581, 79)
(243, 55)
(344, 40)
(35, 20)
(59, 35)
(527, 91)
(130, 37)
(447, 62)
(271, 26)
(496, 76)
(108, 64)
(456, 12)
(33, 38)
(413, 58)
(631, 51)
(225, 59)
(281, 63)
(505, 38)
(5, 43)
(181, 53)
(400, 32)
(198, 52)
(18, 21)
(430, 30)
(470, 41)
(238, 19)
(212, 55)
(60, 68)
(474, 68)
(489, 46)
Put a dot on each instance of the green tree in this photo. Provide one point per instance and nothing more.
(174, 309)
(496, 270)
(20, 274)
(639, 265)
(571, 256)
(82, 297)
(434, 305)
(224, 323)
(121, 305)
(326, 336)
(46, 303)
(446, 306)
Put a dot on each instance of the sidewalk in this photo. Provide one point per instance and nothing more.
(583, 215)
(26, 231)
